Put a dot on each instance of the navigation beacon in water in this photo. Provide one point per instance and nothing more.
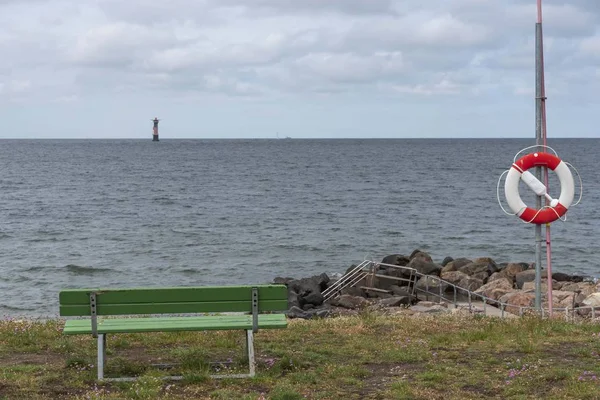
(155, 130)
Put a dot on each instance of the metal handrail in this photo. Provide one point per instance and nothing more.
(415, 275)
(350, 278)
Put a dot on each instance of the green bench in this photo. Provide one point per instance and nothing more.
(255, 307)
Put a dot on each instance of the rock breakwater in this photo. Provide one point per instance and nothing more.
(410, 282)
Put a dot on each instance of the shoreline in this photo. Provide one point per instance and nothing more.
(306, 299)
(400, 280)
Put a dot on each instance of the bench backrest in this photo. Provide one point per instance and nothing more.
(176, 300)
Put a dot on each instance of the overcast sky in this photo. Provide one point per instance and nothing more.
(299, 68)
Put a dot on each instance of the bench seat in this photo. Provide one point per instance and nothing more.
(246, 308)
(173, 324)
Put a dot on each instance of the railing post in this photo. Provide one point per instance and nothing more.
(484, 306)
(454, 295)
(469, 293)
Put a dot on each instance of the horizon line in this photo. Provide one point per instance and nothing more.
(298, 138)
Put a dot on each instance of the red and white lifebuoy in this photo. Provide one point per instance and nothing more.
(557, 208)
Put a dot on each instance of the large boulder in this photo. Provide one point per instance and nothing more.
(307, 290)
(424, 267)
(396, 259)
(420, 254)
(282, 281)
(525, 276)
(562, 277)
(396, 301)
(400, 290)
(313, 298)
(446, 260)
(479, 265)
(293, 300)
(483, 275)
(353, 291)
(495, 289)
(454, 277)
(585, 288)
(350, 302)
(512, 269)
(314, 284)
(562, 299)
(497, 275)
(491, 264)
(530, 286)
(296, 312)
(470, 283)
(516, 300)
(592, 300)
(454, 265)
(431, 284)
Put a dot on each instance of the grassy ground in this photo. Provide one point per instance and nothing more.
(369, 356)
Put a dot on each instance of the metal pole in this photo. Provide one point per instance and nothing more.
(538, 170)
(545, 137)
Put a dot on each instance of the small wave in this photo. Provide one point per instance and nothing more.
(476, 231)
(15, 308)
(21, 279)
(391, 232)
(39, 268)
(80, 269)
(187, 271)
(300, 247)
(50, 239)
(5, 236)
(186, 233)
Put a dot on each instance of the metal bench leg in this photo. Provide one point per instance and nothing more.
(250, 347)
(101, 355)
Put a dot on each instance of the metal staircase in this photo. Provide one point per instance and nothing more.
(350, 279)
(367, 275)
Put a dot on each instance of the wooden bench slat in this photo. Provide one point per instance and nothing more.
(172, 295)
(166, 324)
(173, 308)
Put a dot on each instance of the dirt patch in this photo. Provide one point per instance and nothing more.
(9, 360)
(5, 390)
(394, 369)
(485, 393)
(58, 391)
(385, 373)
(141, 355)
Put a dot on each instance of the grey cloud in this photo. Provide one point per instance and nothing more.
(351, 7)
(269, 47)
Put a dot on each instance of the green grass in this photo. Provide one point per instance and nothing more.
(369, 356)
